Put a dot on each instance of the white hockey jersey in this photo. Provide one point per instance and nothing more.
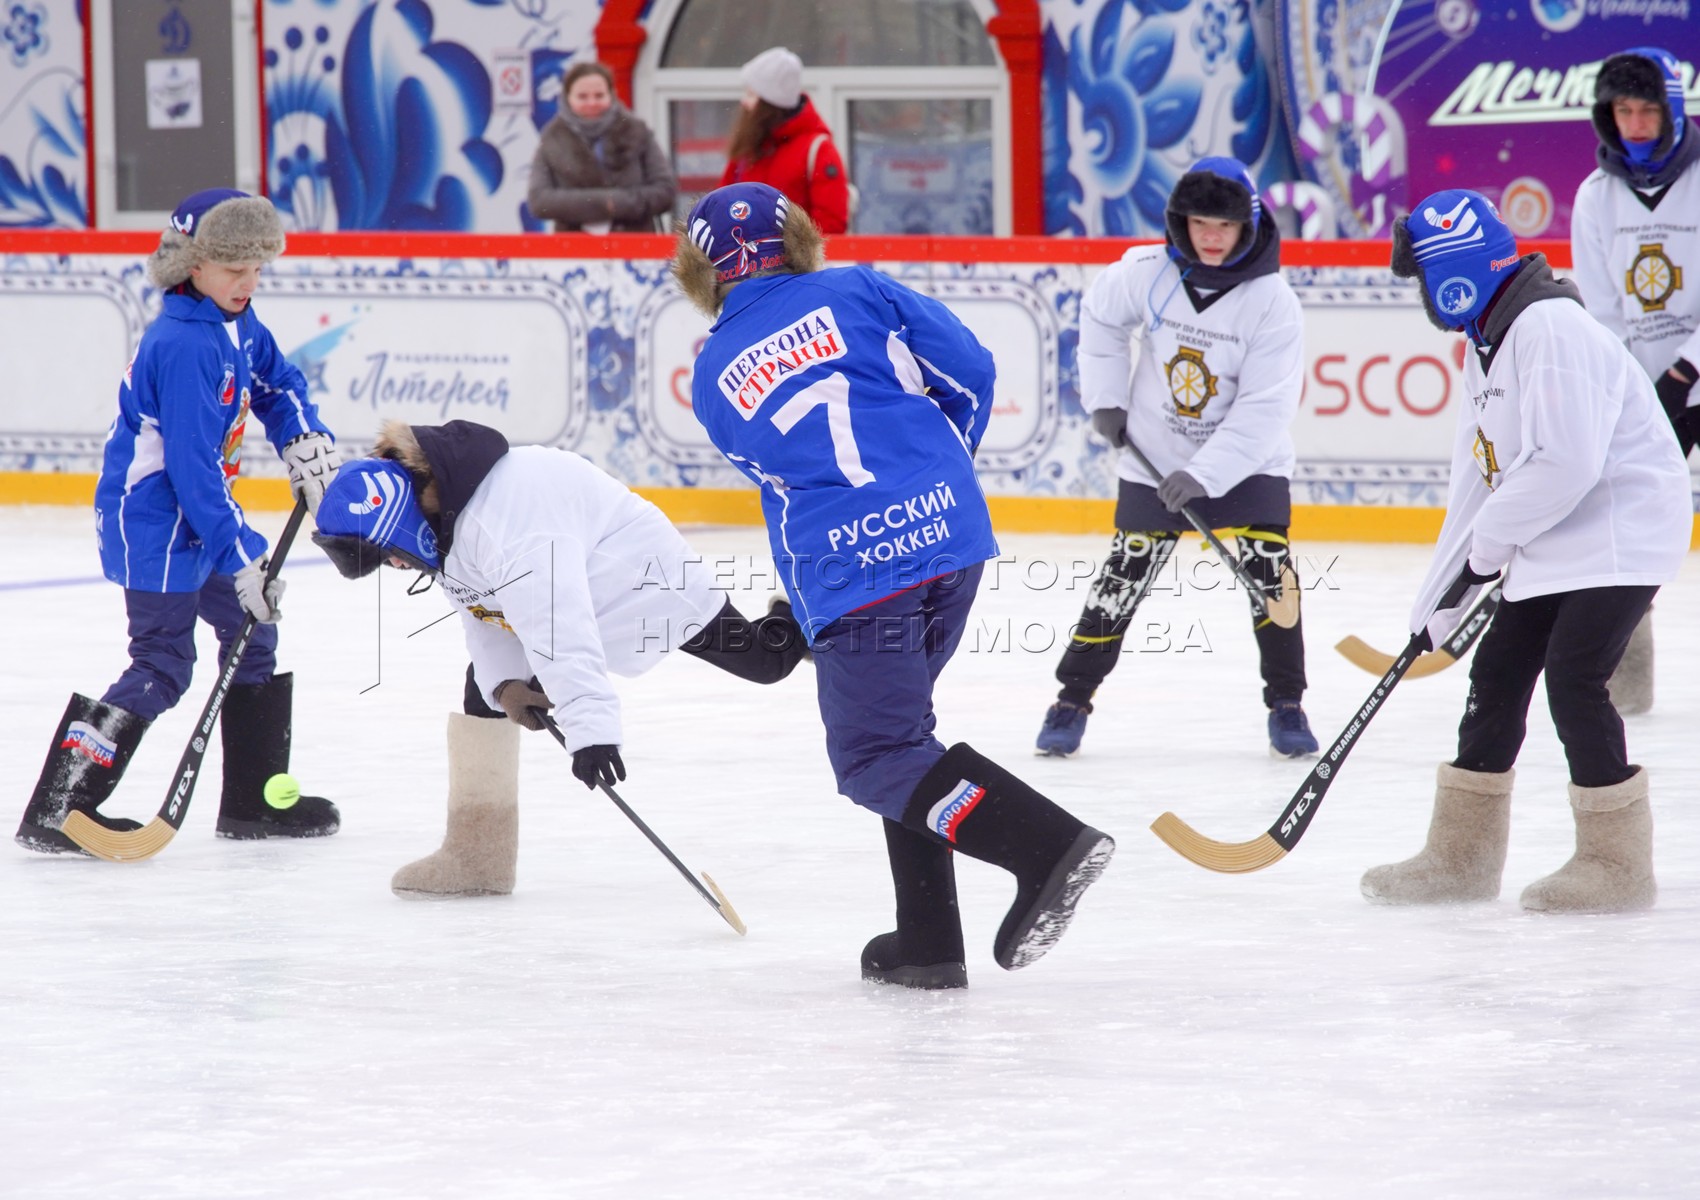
(1565, 473)
(1218, 375)
(1639, 269)
(562, 572)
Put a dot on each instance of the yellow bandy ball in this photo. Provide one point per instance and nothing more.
(282, 791)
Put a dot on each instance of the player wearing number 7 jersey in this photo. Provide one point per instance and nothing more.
(856, 404)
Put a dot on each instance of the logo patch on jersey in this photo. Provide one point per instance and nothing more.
(130, 367)
(1190, 381)
(86, 740)
(490, 616)
(1652, 277)
(762, 366)
(227, 387)
(1486, 461)
(950, 812)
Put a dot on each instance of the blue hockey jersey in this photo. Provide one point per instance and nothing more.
(855, 403)
(164, 515)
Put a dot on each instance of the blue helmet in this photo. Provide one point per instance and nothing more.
(369, 513)
(741, 229)
(1462, 252)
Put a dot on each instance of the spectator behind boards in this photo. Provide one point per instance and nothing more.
(780, 140)
(598, 169)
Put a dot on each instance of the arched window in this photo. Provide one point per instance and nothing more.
(912, 90)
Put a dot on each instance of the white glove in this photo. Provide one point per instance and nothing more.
(259, 598)
(312, 460)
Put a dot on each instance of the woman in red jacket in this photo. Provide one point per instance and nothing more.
(780, 140)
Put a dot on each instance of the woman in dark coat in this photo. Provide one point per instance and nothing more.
(598, 169)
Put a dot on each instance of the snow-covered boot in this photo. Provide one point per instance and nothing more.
(255, 725)
(481, 845)
(1631, 685)
(1465, 853)
(1612, 869)
(925, 950)
(971, 803)
(91, 749)
(1065, 725)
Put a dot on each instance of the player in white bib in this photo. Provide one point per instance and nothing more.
(1193, 352)
(1635, 243)
(1565, 478)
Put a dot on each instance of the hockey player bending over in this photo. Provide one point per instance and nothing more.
(562, 576)
(173, 537)
(1633, 237)
(1194, 353)
(856, 404)
(1565, 477)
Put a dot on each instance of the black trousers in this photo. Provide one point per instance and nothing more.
(1134, 562)
(1577, 638)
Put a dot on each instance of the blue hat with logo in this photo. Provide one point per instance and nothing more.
(741, 227)
(1461, 250)
(368, 514)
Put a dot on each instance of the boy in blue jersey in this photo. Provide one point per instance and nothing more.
(856, 405)
(173, 537)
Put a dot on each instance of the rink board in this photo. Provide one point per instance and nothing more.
(594, 351)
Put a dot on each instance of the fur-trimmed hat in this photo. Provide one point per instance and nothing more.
(1461, 252)
(1643, 73)
(219, 225)
(1220, 188)
(776, 76)
(738, 232)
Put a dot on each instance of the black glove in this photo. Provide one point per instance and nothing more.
(598, 764)
(518, 698)
(1473, 576)
(1111, 425)
(1178, 488)
(1673, 392)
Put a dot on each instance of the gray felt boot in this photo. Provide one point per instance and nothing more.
(482, 843)
(1631, 685)
(1612, 869)
(1465, 853)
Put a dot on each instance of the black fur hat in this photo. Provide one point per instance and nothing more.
(1219, 188)
(1636, 75)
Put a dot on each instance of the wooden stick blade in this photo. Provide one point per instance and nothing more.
(118, 845)
(1361, 654)
(724, 906)
(1230, 858)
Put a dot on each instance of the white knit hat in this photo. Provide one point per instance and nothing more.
(776, 76)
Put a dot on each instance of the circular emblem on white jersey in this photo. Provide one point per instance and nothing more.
(1455, 296)
(738, 210)
(1653, 277)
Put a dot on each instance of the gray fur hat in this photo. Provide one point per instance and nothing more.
(219, 225)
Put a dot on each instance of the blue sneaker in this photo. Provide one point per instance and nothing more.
(1289, 732)
(1064, 725)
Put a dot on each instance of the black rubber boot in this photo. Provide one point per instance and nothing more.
(925, 950)
(970, 802)
(89, 755)
(256, 723)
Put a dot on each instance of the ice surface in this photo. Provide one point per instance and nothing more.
(238, 1019)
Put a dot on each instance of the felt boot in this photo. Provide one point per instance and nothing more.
(90, 751)
(1612, 869)
(1465, 853)
(973, 804)
(925, 950)
(481, 845)
(255, 725)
